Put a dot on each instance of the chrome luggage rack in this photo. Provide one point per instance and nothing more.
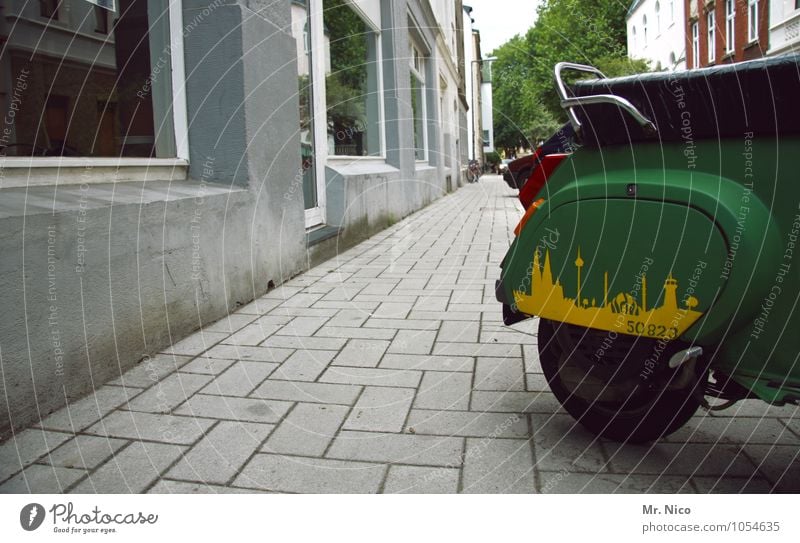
(570, 102)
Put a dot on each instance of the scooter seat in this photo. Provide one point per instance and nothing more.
(727, 101)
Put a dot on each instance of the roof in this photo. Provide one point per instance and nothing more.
(635, 4)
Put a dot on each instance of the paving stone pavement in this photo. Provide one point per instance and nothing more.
(385, 369)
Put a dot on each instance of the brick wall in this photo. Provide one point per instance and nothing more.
(743, 50)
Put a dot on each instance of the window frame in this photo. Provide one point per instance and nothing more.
(752, 21)
(658, 17)
(418, 71)
(38, 171)
(730, 26)
(317, 52)
(644, 29)
(711, 34)
(696, 44)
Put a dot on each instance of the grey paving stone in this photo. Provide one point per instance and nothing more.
(536, 382)
(256, 354)
(307, 430)
(561, 444)
(779, 463)
(147, 426)
(381, 409)
(444, 390)
(302, 326)
(530, 354)
(365, 353)
(306, 343)
(468, 424)
(516, 402)
(168, 393)
(505, 334)
(37, 479)
(307, 392)
(282, 292)
(703, 429)
(240, 379)
(196, 343)
(230, 323)
(431, 303)
(693, 459)
(449, 316)
(166, 486)
(302, 300)
(310, 475)
(397, 448)
(151, 370)
(499, 374)
(371, 377)
(304, 365)
(413, 342)
(85, 452)
(401, 324)
(24, 447)
(258, 306)
(418, 480)
(80, 415)
(758, 408)
(493, 466)
(232, 408)
(349, 317)
(320, 312)
(252, 334)
(355, 333)
(221, 453)
(565, 482)
(498, 350)
(132, 470)
(458, 331)
(428, 362)
(733, 485)
(207, 366)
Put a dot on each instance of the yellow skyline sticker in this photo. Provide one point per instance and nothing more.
(621, 313)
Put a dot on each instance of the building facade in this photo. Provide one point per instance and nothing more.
(656, 33)
(726, 31)
(472, 65)
(784, 26)
(164, 163)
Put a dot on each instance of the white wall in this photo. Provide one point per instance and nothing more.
(487, 118)
(784, 24)
(664, 45)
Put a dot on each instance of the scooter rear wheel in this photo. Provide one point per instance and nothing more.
(598, 378)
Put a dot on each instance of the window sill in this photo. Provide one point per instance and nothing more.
(39, 171)
(359, 166)
(51, 199)
(751, 44)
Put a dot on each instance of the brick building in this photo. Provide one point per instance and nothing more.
(725, 31)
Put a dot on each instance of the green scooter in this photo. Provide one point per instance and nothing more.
(659, 246)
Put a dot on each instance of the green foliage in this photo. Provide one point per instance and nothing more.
(492, 158)
(591, 32)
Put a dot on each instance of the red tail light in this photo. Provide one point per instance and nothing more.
(538, 178)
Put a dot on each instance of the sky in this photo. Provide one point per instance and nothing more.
(500, 20)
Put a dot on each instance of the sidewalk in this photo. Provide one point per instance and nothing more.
(386, 369)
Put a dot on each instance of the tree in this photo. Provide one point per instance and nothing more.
(591, 32)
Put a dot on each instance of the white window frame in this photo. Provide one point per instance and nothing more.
(671, 12)
(39, 171)
(752, 21)
(658, 18)
(365, 9)
(369, 12)
(419, 73)
(696, 44)
(730, 26)
(634, 42)
(711, 21)
(644, 30)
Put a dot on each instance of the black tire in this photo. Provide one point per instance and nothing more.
(599, 382)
